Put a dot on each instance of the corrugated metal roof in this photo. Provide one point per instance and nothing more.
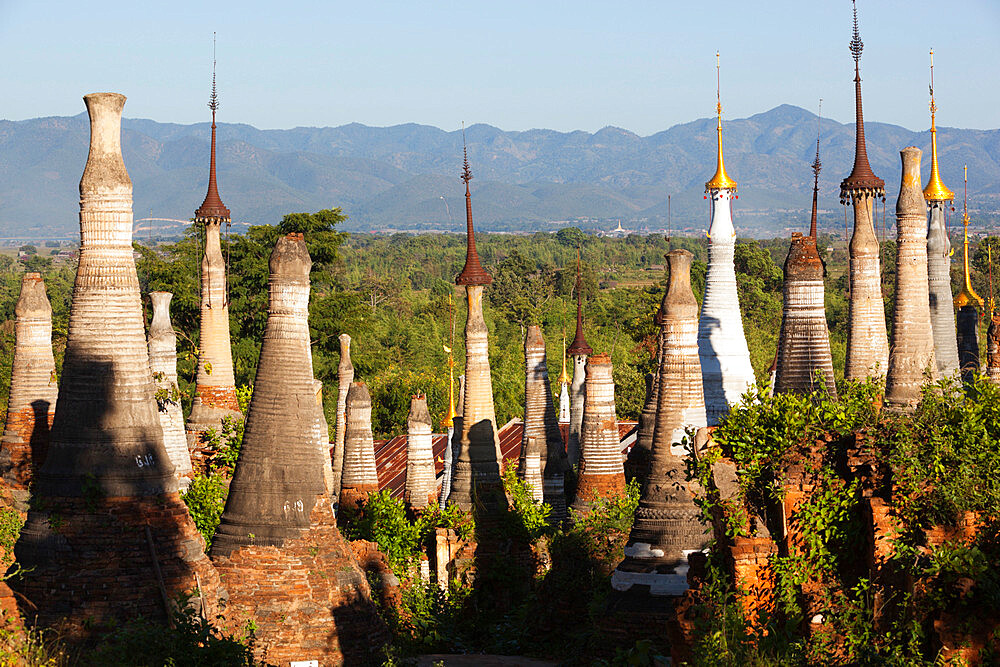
(390, 455)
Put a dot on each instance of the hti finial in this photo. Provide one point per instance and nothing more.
(721, 180)
(856, 44)
(933, 106)
(466, 173)
(966, 295)
(816, 166)
(718, 88)
(213, 99)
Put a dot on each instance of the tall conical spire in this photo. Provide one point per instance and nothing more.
(935, 190)
(563, 375)
(966, 295)
(862, 179)
(579, 345)
(449, 417)
(721, 180)
(212, 207)
(473, 273)
(816, 166)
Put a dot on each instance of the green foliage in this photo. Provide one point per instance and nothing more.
(10, 529)
(605, 528)
(526, 518)
(205, 500)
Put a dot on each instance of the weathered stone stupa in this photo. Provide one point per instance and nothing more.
(601, 471)
(321, 432)
(637, 464)
(911, 356)
(666, 527)
(938, 199)
(542, 423)
(804, 340)
(162, 344)
(285, 564)
(722, 345)
(109, 538)
(476, 477)
(993, 349)
(360, 476)
(421, 481)
(31, 404)
(215, 384)
(579, 350)
(968, 304)
(345, 376)
(564, 381)
(867, 341)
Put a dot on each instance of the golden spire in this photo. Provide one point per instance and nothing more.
(990, 303)
(967, 296)
(449, 418)
(721, 180)
(935, 190)
(563, 376)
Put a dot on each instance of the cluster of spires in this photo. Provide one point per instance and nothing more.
(116, 443)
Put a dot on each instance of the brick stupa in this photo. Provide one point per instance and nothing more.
(162, 344)
(33, 390)
(476, 477)
(601, 471)
(804, 339)
(360, 476)
(285, 564)
(541, 422)
(345, 376)
(867, 340)
(421, 481)
(215, 384)
(667, 526)
(579, 350)
(109, 538)
(722, 344)
(911, 357)
(939, 198)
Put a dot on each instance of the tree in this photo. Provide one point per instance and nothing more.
(29, 249)
(520, 289)
(571, 237)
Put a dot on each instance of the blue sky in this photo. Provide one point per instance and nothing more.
(643, 66)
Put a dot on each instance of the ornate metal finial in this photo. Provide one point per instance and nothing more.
(721, 180)
(579, 345)
(862, 180)
(564, 376)
(991, 304)
(449, 417)
(473, 273)
(212, 207)
(856, 44)
(816, 166)
(935, 190)
(966, 295)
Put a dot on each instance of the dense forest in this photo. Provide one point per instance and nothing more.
(395, 296)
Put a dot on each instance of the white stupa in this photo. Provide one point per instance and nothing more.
(722, 346)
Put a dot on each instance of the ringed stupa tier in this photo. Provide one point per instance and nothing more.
(286, 566)
(666, 527)
(345, 376)
(421, 480)
(542, 423)
(939, 198)
(911, 357)
(601, 471)
(804, 340)
(993, 349)
(108, 512)
(722, 345)
(476, 477)
(638, 458)
(31, 404)
(162, 344)
(215, 384)
(579, 350)
(360, 476)
(867, 340)
(968, 304)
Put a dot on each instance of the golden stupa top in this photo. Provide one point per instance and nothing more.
(564, 376)
(721, 180)
(449, 417)
(966, 295)
(936, 189)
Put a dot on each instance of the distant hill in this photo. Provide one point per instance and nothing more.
(402, 177)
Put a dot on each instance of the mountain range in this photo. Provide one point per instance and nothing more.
(407, 176)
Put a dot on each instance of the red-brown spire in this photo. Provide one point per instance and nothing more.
(473, 273)
(862, 179)
(579, 345)
(816, 166)
(212, 207)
